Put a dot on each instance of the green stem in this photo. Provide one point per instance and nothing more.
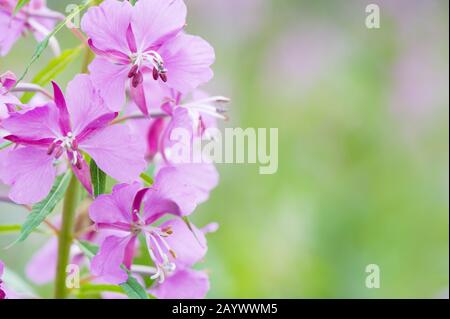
(65, 237)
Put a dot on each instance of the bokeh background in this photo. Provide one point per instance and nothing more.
(363, 172)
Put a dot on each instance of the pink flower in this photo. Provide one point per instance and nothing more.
(195, 113)
(185, 282)
(7, 100)
(44, 134)
(146, 40)
(170, 244)
(34, 17)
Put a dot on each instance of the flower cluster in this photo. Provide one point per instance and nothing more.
(142, 84)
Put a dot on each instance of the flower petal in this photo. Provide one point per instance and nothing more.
(188, 61)
(42, 266)
(116, 207)
(116, 152)
(106, 264)
(110, 79)
(189, 244)
(30, 174)
(60, 101)
(107, 25)
(83, 102)
(11, 28)
(155, 20)
(183, 284)
(38, 123)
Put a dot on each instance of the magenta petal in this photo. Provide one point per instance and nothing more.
(106, 264)
(188, 60)
(60, 101)
(107, 25)
(30, 174)
(138, 96)
(116, 152)
(155, 20)
(42, 267)
(84, 103)
(110, 79)
(38, 123)
(83, 174)
(116, 207)
(189, 244)
(183, 284)
(154, 136)
(111, 55)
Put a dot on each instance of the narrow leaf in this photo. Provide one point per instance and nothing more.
(98, 178)
(44, 208)
(44, 43)
(20, 5)
(5, 229)
(133, 289)
(98, 288)
(88, 249)
(53, 68)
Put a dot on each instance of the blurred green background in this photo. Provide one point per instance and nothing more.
(363, 148)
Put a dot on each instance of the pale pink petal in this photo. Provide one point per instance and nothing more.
(189, 244)
(183, 284)
(188, 61)
(179, 189)
(116, 207)
(30, 173)
(110, 79)
(11, 29)
(154, 20)
(106, 264)
(83, 102)
(42, 267)
(116, 152)
(107, 25)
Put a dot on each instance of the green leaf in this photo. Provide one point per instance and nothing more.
(42, 209)
(5, 229)
(44, 43)
(86, 289)
(19, 5)
(147, 179)
(98, 178)
(132, 288)
(53, 68)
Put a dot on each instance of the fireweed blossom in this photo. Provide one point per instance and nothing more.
(195, 113)
(145, 40)
(171, 244)
(34, 17)
(8, 101)
(77, 123)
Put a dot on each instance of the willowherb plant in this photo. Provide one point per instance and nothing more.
(104, 148)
